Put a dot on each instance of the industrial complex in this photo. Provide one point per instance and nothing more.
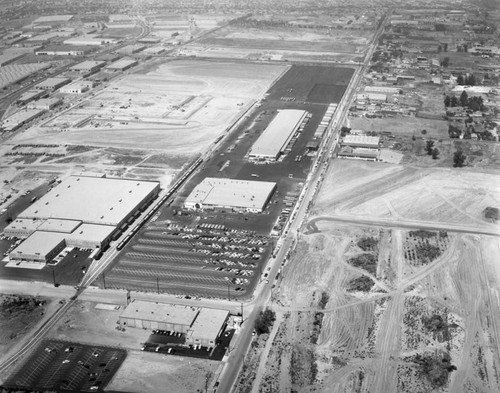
(241, 195)
(80, 212)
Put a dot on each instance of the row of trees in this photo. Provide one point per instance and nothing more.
(466, 80)
(475, 103)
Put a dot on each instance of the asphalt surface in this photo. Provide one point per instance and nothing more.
(58, 365)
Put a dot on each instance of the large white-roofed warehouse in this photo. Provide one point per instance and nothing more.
(240, 195)
(84, 211)
(277, 135)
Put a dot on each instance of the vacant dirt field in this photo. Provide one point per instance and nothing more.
(358, 314)
(149, 372)
(376, 190)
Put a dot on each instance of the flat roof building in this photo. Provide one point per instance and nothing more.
(90, 236)
(93, 200)
(201, 326)
(39, 247)
(30, 96)
(207, 327)
(246, 195)
(278, 133)
(10, 58)
(13, 73)
(20, 118)
(358, 153)
(89, 66)
(46, 103)
(74, 88)
(22, 227)
(52, 83)
(122, 65)
(85, 41)
(361, 141)
(154, 315)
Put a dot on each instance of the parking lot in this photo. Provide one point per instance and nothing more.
(62, 365)
(69, 271)
(170, 343)
(204, 260)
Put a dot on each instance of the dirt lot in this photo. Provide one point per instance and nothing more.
(355, 314)
(149, 372)
(403, 193)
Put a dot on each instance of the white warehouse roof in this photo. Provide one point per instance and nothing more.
(230, 193)
(92, 200)
(361, 140)
(277, 134)
(160, 312)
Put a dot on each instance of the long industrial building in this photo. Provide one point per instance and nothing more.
(81, 212)
(240, 195)
(201, 326)
(276, 136)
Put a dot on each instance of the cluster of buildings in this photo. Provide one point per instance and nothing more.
(360, 147)
(82, 212)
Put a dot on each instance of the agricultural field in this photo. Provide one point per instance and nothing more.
(357, 310)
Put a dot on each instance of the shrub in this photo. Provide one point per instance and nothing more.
(367, 243)
(264, 321)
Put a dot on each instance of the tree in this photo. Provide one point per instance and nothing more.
(491, 213)
(470, 80)
(429, 145)
(435, 153)
(464, 99)
(447, 101)
(264, 321)
(424, 132)
(454, 101)
(460, 80)
(459, 159)
(445, 62)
